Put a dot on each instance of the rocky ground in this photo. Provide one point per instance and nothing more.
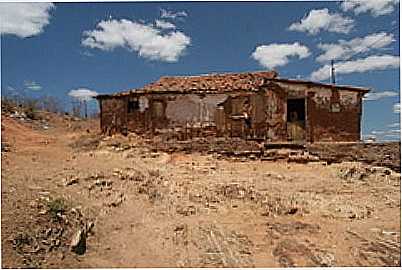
(71, 198)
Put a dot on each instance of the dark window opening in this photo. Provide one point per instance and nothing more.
(296, 110)
(296, 119)
(133, 105)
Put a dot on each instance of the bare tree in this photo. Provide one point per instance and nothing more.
(76, 108)
(51, 104)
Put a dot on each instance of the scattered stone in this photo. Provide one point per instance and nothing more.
(5, 147)
(274, 175)
(354, 173)
(71, 181)
(117, 201)
(323, 258)
(293, 228)
(89, 226)
(186, 210)
(78, 242)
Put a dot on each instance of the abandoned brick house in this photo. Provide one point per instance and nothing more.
(254, 105)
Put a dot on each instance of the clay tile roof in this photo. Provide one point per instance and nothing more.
(220, 83)
(319, 84)
(213, 82)
(226, 82)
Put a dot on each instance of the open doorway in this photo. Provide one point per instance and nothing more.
(296, 119)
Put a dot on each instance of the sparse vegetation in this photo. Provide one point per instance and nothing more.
(30, 107)
(86, 142)
(56, 207)
(190, 208)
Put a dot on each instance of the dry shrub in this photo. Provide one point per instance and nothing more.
(86, 142)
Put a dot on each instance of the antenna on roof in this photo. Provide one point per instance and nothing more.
(332, 72)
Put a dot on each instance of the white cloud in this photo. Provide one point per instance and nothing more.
(369, 137)
(374, 62)
(397, 108)
(379, 95)
(385, 132)
(345, 49)
(31, 85)
(86, 53)
(382, 135)
(274, 55)
(378, 132)
(321, 20)
(24, 19)
(165, 14)
(393, 125)
(144, 39)
(164, 24)
(375, 7)
(82, 94)
(10, 88)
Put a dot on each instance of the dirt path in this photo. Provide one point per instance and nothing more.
(175, 210)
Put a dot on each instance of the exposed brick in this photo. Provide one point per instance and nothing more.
(246, 105)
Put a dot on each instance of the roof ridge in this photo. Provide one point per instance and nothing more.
(220, 74)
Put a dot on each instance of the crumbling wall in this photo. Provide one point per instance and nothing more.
(138, 117)
(334, 115)
(193, 109)
(275, 110)
(235, 114)
(198, 114)
(113, 115)
(331, 115)
(164, 113)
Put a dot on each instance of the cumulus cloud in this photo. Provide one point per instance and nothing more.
(374, 62)
(24, 19)
(383, 135)
(375, 7)
(379, 95)
(31, 85)
(86, 53)
(397, 108)
(385, 132)
(164, 24)
(274, 55)
(82, 94)
(394, 132)
(144, 39)
(344, 49)
(10, 88)
(393, 125)
(369, 137)
(321, 20)
(165, 14)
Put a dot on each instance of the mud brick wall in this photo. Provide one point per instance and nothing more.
(275, 110)
(113, 115)
(334, 115)
(331, 115)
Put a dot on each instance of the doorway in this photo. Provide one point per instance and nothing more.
(296, 119)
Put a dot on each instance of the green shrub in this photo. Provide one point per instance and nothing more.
(56, 206)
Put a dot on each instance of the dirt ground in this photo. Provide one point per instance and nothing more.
(73, 199)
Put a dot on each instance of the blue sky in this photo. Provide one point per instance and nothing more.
(107, 47)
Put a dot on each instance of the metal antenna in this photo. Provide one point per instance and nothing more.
(332, 72)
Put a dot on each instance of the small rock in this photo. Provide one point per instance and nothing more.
(117, 201)
(71, 181)
(324, 258)
(78, 242)
(89, 226)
